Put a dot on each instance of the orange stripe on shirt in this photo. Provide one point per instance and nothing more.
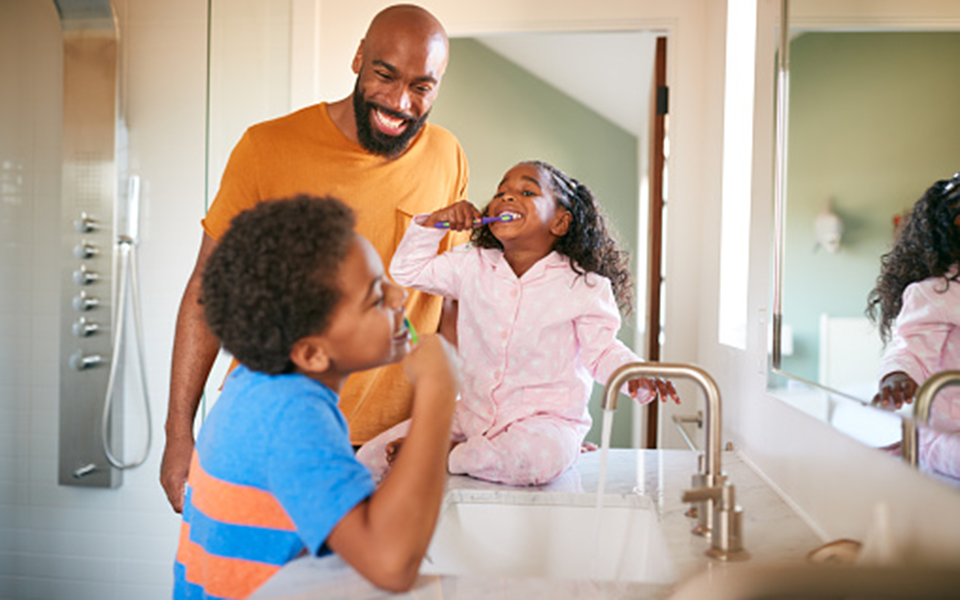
(220, 576)
(235, 504)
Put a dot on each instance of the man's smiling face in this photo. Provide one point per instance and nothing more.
(398, 77)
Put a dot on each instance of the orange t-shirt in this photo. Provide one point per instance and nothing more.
(305, 153)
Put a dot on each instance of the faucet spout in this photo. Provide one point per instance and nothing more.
(921, 412)
(718, 513)
(677, 371)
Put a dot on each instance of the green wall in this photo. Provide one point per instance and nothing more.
(502, 115)
(873, 123)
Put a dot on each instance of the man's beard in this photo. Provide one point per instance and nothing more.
(375, 141)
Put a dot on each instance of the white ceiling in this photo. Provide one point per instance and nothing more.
(611, 72)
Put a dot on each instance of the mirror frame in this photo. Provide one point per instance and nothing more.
(924, 17)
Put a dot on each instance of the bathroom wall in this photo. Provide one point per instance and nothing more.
(66, 542)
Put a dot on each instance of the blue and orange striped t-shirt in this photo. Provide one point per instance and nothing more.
(272, 473)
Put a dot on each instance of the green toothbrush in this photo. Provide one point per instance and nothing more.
(414, 338)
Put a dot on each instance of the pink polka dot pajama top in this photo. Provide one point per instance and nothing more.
(531, 348)
(926, 340)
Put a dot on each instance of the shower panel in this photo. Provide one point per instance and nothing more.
(93, 139)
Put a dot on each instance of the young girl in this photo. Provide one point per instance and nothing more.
(539, 291)
(917, 306)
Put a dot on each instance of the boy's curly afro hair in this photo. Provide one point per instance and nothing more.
(272, 279)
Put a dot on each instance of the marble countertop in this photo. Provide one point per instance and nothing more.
(772, 532)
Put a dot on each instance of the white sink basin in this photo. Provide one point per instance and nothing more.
(549, 535)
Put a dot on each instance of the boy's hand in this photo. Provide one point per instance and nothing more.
(433, 362)
(895, 389)
(460, 216)
(657, 386)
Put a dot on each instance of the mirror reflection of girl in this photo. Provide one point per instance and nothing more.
(916, 304)
(539, 296)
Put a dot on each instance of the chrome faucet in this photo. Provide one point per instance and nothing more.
(921, 412)
(718, 515)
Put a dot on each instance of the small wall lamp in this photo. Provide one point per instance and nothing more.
(827, 229)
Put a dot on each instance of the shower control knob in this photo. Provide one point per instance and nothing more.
(85, 250)
(83, 276)
(80, 361)
(83, 328)
(83, 302)
(84, 224)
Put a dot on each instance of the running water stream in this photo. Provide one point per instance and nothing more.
(601, 484)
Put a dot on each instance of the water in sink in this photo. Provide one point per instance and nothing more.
(551, 535)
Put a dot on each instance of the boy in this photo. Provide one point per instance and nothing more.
(301, 301)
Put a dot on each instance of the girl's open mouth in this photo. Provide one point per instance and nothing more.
(513, 215)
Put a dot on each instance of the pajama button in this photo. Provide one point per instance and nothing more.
(503, 335)
(513, 293)
(496, 374)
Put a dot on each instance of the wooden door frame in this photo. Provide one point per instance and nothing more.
(655, 275)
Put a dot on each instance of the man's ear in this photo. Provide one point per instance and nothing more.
(357, 59)
(309, 354)
(561, 223)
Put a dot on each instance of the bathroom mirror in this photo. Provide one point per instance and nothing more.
(869, 117)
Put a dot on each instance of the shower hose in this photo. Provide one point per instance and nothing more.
(127, 272)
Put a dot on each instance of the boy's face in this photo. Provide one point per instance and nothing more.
(366, 328)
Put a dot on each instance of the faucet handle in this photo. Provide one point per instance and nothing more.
(700, 508)
(721, 493)
(726, 522)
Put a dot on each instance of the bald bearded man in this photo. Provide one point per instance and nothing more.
(375, 151)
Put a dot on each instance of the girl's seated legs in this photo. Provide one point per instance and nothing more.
(531, 451)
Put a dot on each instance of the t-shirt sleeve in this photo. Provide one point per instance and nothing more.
(314, 473)
(238, 188)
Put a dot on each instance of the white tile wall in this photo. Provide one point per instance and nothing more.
(63, 542)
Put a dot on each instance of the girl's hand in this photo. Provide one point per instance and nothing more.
(659, 387)
(460, 216)
(895, 389)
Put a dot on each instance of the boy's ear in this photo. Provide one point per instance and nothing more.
(561, 223)
(310, 355)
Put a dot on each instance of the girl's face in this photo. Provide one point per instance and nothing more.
(538, 222)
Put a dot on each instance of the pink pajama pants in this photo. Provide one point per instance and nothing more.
(530, 451)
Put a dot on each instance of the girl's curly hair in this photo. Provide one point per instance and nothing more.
(928, 245)
(272, 279)
(589, 244)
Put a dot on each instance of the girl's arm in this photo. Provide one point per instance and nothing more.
(596, 329)
(603, 353)
(417, 265)
(920, 332)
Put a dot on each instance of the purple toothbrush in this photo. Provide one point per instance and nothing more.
(479, 222)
